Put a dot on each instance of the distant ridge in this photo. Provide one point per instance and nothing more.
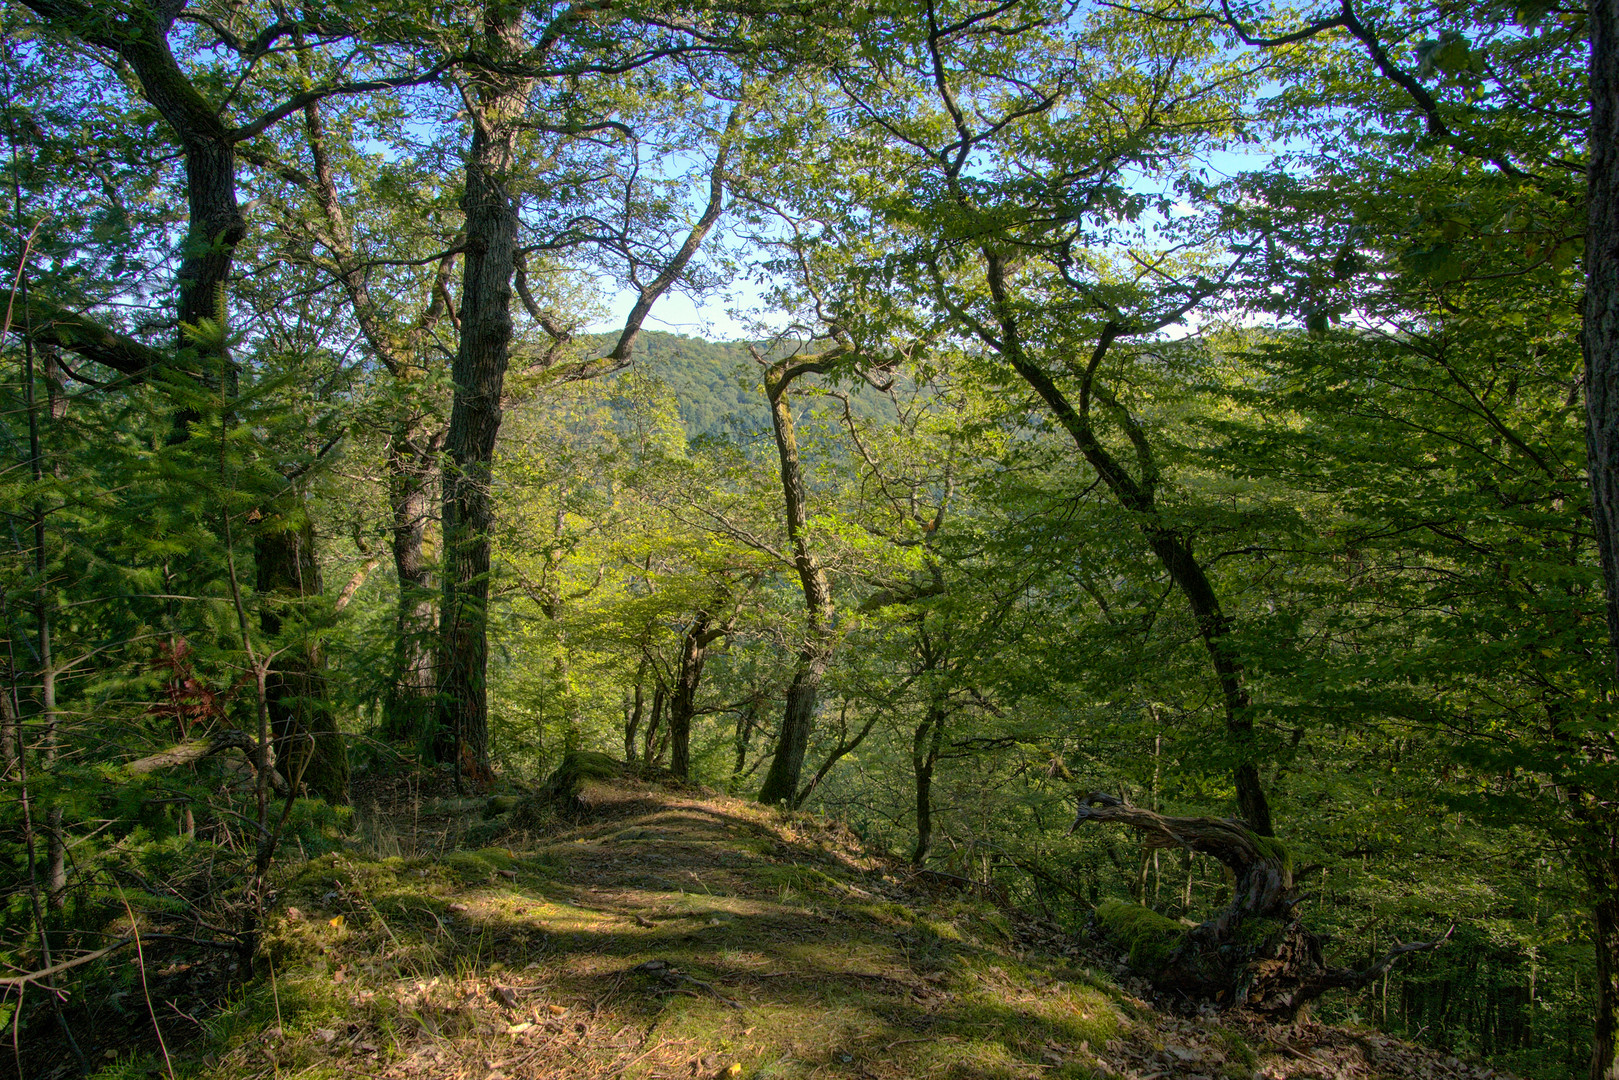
(716, 383)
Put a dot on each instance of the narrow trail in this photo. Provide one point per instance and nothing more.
(663, 933)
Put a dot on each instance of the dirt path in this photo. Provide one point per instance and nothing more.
(670, 935)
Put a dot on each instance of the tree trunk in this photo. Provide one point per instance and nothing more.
(1604, 879)
(652, 746)
(301, 718)
(694, 645)
(815, 653)
(1173, 548)
(1254, 952)
(633, 711)
(1600, 344)
(9, 728)
(408, 711)
(479, 374)
(747, 718)
(924, 755)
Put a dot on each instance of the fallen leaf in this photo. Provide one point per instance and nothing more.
(557, 1010)
(326, 1035)
(457, 909)
(335, 921)
(518, 1029)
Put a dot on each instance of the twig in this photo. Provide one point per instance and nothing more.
(140, 959)
(45, 973)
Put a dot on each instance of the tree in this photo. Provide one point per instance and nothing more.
(498, 105)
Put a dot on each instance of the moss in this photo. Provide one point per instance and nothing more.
(474, 866)
(560, 795)
(1150, 937)
(485, 833)
(1240, 1059)
(500, 804)
(883, 911)
(799, 879)
(1256, 935)
(578, 767)
(1273, 849)
(939, 928)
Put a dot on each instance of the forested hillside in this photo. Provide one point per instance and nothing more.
(1174, 507)
(714, 385)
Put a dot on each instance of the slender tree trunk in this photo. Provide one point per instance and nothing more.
(44, 613)
(815, 652)
(409, 708)
(408, 711)
(634, 712)
(746, 719)
(683, 702)
(479, 374)
(1214, 626)
(9, 728)
(1600, 344)
(924, 755)
(1605, 931)
(301, 718)
(652, 747)
(1173, 548)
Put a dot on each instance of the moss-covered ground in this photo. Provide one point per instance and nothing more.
(669, 934)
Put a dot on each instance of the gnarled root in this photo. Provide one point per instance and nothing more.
(1255, 951)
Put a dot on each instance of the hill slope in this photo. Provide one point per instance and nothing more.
(669, 933)
(716, 383)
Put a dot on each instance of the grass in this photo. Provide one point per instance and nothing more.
(661, 934)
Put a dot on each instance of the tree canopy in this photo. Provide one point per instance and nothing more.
(1199, 417)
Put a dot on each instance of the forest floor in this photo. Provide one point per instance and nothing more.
(665, 932)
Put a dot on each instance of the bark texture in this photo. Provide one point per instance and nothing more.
(694, 645)
(815, 651)
(408, 710)
(479, 374)
(1604, 879)
(1600, 344)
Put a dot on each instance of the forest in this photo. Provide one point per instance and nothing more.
(1196, 416)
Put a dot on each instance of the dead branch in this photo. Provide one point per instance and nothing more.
(56, 969)
(196, 749)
